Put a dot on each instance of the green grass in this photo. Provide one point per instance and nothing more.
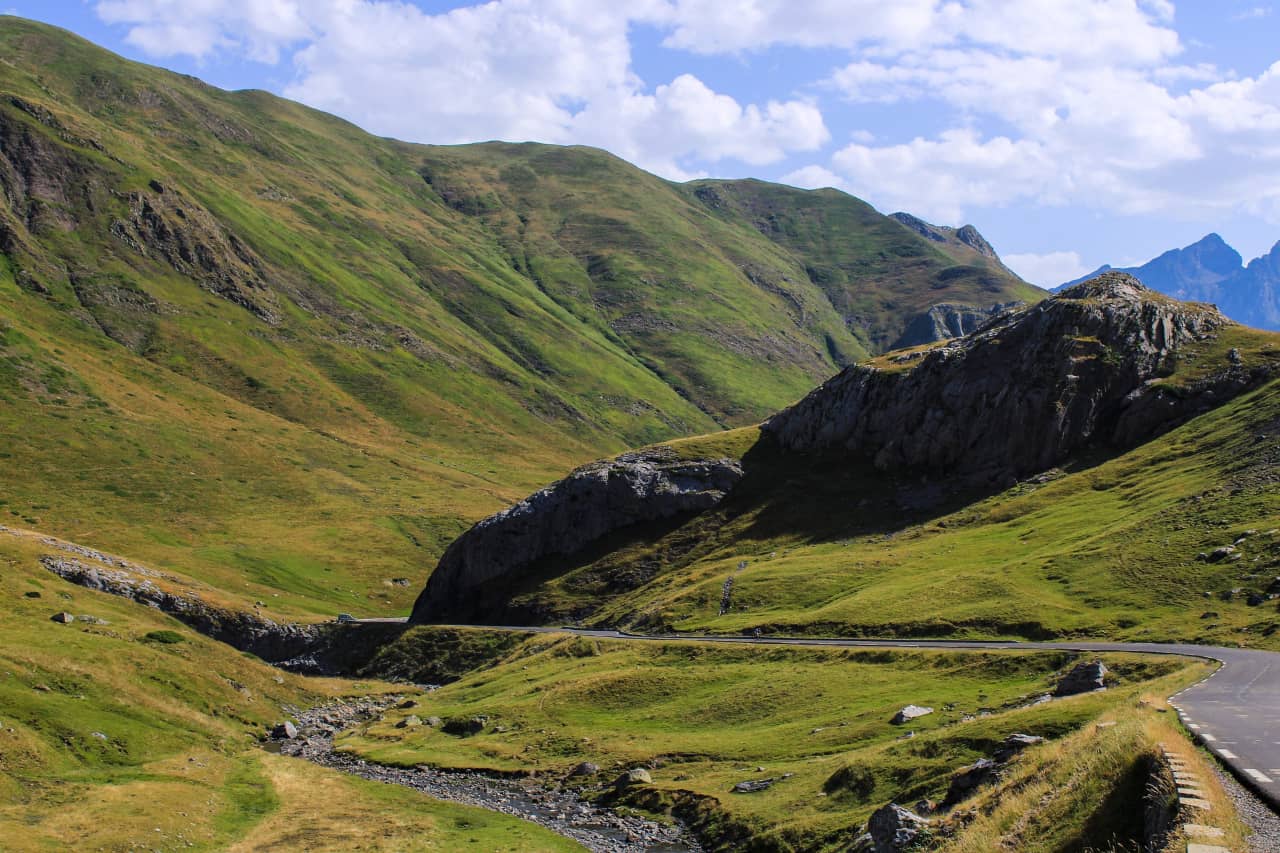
(706, 717)
(114, 735)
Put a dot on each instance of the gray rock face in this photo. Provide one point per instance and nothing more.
(1018, 396)
(892, 828)
(947, 320)
(1084, 677)
(569, 515)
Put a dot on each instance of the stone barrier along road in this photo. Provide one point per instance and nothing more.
(1235, 712)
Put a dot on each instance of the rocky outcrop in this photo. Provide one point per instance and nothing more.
(275, 642)
(569, 515)
(1017, 397)
(164, 224)
(946, 320)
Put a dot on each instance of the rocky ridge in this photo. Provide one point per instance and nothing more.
(569, 515)
(1021, 393)
(286, 644)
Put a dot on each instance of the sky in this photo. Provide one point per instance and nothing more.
(1072, 133)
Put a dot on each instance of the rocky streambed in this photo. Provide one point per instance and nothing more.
(543, 802)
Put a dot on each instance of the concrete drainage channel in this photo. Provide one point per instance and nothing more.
(1191, 799)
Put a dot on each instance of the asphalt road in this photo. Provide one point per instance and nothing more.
(1235, 712)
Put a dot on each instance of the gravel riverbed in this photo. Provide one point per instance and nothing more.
(545, 803)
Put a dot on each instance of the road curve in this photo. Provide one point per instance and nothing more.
(1235, 712)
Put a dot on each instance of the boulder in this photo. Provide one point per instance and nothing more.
(634, 776)
(435, 722)
(586, 768)
(751, 786)
(1013, 744)
(410, 722)
(63, 618)
(1217, 555)
(566, 517)
(285, 731)
(1084, 677)
(909, 713)
(893, 828)
(984, 771)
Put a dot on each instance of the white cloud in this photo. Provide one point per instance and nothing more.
(1048, 270)
(1252, 14)
(936, 179)
(1121, 31)
(551, 71)
(1039, 118)
(260, 28)
(813, 178)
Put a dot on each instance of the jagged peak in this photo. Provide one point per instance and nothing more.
(1111, 284)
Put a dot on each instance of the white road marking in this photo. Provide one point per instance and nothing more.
(1261, 777)
(1194, 725)
(1226, 753)
(1208, 737)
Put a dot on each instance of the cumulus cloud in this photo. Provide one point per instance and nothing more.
(1082, 102)
(1048, 270)
(1091, 109)
(552, 71)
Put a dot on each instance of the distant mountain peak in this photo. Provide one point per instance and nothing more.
(966, 235)
(1210, 270)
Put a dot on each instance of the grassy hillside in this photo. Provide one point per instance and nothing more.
(247, 340)
(817, 721)
(125, 729)
(1105, 547)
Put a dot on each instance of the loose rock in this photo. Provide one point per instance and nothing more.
(909, 713)
(635, 776)
(285, 731)
(893, 828)
(1084, 677)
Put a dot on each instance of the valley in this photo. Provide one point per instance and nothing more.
(358, 494)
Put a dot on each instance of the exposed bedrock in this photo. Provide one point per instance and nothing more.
(1024, 391)
(569, 515)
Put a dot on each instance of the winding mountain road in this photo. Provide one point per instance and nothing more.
(1235, 712)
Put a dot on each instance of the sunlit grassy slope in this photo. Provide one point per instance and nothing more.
(1107, 547)
(247, 340)
(705, 718)
(133, 731)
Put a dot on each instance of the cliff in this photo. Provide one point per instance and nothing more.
(1024, 391)
(569, 515)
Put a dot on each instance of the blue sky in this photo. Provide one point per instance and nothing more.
(1070, 132)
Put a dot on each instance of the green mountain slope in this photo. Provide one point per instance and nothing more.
(247, 340)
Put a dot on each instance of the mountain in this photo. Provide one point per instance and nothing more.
(1209, 270)
(249, 341)
(1056, 471)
